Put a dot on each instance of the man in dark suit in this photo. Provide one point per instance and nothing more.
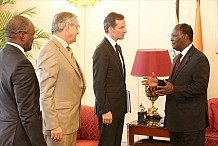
(109, 82)
(20, 118)
(186, 115)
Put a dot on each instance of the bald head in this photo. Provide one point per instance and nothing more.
(16, 25)
(20, 30)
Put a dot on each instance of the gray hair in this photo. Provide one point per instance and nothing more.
(60, 20)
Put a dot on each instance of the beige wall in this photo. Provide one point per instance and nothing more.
(149, 25)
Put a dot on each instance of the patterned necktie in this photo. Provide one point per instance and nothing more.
(71, 56)
(69, 51)
(76, 66)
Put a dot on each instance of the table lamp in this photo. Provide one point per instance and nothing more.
(148, 61)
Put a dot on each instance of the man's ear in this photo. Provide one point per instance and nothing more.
(110, 29)
(22, 36)
(186, 38)
(67, 27)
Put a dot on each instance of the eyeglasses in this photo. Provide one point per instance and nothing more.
(77, 26)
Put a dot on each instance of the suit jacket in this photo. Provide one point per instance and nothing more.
(62, 86)
(20, 117)
(108, 81)
(186, 109)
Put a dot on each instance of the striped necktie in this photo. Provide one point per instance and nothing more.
(69, 51)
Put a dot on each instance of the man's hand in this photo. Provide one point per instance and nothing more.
(107, 118)
(150, 80)
(56, 134)
(164, 90)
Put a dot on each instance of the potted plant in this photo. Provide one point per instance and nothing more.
(6, 15)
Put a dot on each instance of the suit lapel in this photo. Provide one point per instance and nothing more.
(66, 55)
(182, 64)
(124, 68)
(114, 56)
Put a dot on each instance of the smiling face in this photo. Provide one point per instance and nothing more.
(181, 37)
(177, 39)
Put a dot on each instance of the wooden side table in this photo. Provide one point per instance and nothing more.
(147, 129)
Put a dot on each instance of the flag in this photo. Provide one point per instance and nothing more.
(176, 21)
(198, 41)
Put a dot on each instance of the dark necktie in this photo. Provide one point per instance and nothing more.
(119, 53)
(118, 50)
(177, 62)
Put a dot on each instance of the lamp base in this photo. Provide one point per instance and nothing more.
(153, 117)
(141, 117)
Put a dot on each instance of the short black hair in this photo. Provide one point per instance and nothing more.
(186, 29)
(16, 25)
(110, 20)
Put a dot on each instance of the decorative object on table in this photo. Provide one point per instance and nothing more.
(141, 114)
(147, 62)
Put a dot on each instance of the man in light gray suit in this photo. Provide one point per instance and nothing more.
(62, 83)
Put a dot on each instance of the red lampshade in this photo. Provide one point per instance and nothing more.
(151, 60)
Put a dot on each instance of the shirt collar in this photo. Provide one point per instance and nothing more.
(112, 42)
(63, 43)
(186, 50)
(16, 45)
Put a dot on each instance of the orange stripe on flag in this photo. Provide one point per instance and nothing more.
(198, 41)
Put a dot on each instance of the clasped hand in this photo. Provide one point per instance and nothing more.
(107, 118)
(56, 134)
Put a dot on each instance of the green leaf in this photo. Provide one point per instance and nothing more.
(3, 2)
(29, 11)
(6, 15)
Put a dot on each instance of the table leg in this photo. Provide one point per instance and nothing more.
(130, 139)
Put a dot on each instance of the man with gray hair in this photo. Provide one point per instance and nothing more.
(20, 117)
(62, 83)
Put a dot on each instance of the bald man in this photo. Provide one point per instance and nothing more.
(20, 118)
